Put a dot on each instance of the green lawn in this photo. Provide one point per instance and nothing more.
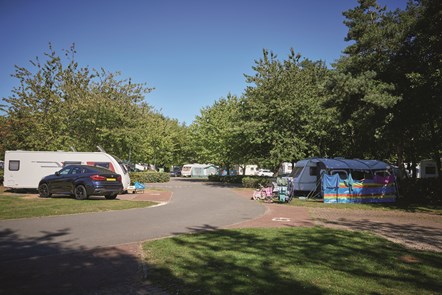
(23, 207)
(290, 261)
(417, 208)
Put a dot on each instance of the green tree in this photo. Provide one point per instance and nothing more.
(214, 133)
(59, 104)
(400, 53)
(284, 112)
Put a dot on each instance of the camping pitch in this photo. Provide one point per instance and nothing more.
(344, 181)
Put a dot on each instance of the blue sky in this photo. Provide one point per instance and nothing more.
(193, 52)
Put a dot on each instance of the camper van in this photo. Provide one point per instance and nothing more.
(24, 169)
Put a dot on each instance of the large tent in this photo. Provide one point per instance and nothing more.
(373, 183)
(340, 180)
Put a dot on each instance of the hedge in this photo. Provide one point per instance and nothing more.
(233, 179)
(246, 181)
(149, 177)
(422, 191)
(255, 181)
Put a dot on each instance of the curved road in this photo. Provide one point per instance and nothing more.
(194, 206)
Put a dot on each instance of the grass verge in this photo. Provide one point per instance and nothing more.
(406, 207)
(12, 207)
(290, 261)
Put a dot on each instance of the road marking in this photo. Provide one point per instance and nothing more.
(281, 219)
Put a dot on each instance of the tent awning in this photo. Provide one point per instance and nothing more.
(352, 164)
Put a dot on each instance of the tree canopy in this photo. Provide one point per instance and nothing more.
(58, 105)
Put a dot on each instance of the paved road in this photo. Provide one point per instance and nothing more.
(194, 206)
(87, 252)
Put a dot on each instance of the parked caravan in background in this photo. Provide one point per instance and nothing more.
(427, 169)
(24, 169)
(204, 170)
(186, 171)
(198, 170)
(285, 168)
(250, 169)
(343, 180)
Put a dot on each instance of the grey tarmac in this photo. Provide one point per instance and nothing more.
(83, 252)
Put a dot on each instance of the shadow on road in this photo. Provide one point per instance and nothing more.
(41, 266)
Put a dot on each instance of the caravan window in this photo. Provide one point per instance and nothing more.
(342, 173)
(430, 170)
(383, 173)
(313, 171)
(296, 172)
(14, 165)
(122, 165)
(71, 163)
(102, 164)
(360, 175)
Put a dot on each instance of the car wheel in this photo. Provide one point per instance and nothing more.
(111, 196)
(80, 192)
(43, 190)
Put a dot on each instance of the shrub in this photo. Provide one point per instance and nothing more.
(246, 181)
(232, 179)
(423, 191)
(255, 181)
(149, 177)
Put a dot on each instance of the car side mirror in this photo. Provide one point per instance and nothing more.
(57, 173)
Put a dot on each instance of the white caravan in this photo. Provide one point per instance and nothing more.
(186, 171)
(250, 170)
(24, 169)
(285, 168)
(427, 169)
(198, 170)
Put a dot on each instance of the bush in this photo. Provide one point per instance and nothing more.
(421, 191)
(255, 181)
(232, 179)
(1, 177)
(149, 177)
(246, 181)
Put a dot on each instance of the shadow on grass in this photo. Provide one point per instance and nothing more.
(43, 266)
(410, 234)
(288, 261)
